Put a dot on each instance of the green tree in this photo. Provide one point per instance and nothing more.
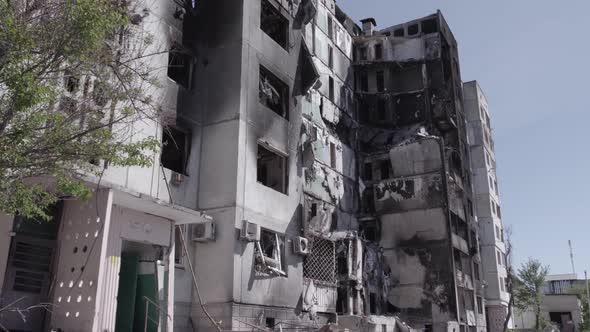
(580, 291)
(72, 82)
(529, 288)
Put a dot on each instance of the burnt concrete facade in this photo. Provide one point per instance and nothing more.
(414, 153)
(330, 166)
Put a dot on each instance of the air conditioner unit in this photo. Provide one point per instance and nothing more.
(301, 245)
(203, 232)
(250, 231)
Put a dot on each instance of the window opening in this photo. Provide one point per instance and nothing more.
(272, 169)
(332, 155)
(331, 89)
(429, 26)
(380, 79)
(364, 81)
(273, 93)
(378, 51)
(270, 252)
(179, 65)
(385, 168)
(175, 150)
(274, 24)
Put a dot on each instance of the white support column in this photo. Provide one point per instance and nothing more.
(171, 268)
(5, 239)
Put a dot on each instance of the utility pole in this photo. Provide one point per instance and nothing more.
(569, 242)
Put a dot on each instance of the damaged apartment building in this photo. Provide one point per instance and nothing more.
(322, 167)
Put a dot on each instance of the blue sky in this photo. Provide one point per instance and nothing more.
(532, 58)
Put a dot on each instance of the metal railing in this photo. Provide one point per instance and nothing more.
(147, 317)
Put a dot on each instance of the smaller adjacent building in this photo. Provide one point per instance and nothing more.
(487, 204)
(561, 306)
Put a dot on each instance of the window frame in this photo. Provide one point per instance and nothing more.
(283, 92)
(278, 255)
(277, 11)
(285, 167)
(187, 148)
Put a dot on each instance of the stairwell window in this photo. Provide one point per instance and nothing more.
(274, 24)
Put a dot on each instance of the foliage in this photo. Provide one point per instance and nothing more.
(580, 291)
(71, 86)
(528, 290)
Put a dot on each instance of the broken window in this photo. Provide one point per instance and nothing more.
(270, 322)
(413, 29)
(372, 303)
(368, 204)
(385, 169)
(364, 81)
(330, 57)
(479, 305)
(381, 115)
(179, 65)
(330, 28)
(71, 81)
(273, 93)
(369, 229)
(398, 32)
(476, 271)
(368, 171)
(274, 24)
(380, 80)
(272, 169)
(332, 155)
(331, 89)
(378, 51)
(470, 205)
(175, 150)
(270, 252)
(457, 258)
(363, 53)
(320, 264)
(429, 26)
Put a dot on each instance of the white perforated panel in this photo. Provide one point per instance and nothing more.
(80, 242)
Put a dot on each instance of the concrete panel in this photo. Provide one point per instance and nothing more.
(409, 193)
(420, 157)
(218, 172)
(424, 224)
